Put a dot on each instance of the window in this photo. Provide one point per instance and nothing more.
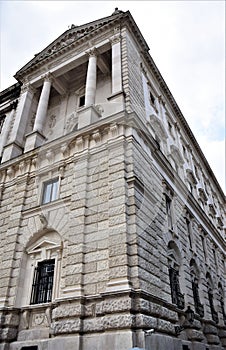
(169, 212)
(221, 294)
(188, 224)
(210, 297)
(50, 191)
(81, 101)
(198, 306)
(43, 282)
(33, 347)
(2, 119)
(152, 99)
(177, 296)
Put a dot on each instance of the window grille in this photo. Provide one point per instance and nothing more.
(177, 296)
(198, 306)
(213, 312)
(43, 282)
(50, 191)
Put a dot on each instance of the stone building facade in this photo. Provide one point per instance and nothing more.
(112, 222)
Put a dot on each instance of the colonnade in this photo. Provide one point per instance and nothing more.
(35, 139)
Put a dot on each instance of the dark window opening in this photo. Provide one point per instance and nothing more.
(152, 99)
(43, 282)
(33, 347)
(50, 191)
(177, 296)
(169, 212)
(198, 306)
(188, 224)
(185, 347)
(213, 312)
(2, 119)
(82, 101)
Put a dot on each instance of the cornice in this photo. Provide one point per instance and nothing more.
(181, 118)
(74, 36)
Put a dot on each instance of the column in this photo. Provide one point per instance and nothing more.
(91, 78)
(116, 64)
(6, 127)
(16, 140)
(43, 104)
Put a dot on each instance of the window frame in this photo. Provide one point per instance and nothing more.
(54, 193)
(41, 295)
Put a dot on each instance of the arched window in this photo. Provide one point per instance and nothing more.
(174, 275)
(210, 297)
(195, 288)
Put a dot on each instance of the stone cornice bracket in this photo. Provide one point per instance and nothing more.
(92, 52)
(115, 39)
(161, 100)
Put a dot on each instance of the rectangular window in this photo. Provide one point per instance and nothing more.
(82, 101)
(169, 212)
(188, 224)
(2, 119)
(177, 296)
(50, 191)
(43, 282)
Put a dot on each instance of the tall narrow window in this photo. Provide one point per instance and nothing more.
(169, 212)
(82, 101)
(43, 282)
(198, 306)
(213, 312)
(177, 296)
(188, 224)
(152, 99)
(2, 119)
(210, 297)
(221, 293)
(50, 191)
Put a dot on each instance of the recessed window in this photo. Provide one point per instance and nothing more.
(152, 99)
(169, 212)
(43, 282)
(81, 101)
(50, 191)
(2, 119)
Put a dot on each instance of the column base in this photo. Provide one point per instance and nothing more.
(87, 116)
(10, 151)
(33, 140)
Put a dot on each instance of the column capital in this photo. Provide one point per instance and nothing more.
(27, 87)
(115, 39)
(48, 77)
(92, 52)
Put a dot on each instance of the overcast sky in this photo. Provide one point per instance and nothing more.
(186, 40)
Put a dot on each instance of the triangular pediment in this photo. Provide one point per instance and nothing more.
(44, 243)
(69, 39)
